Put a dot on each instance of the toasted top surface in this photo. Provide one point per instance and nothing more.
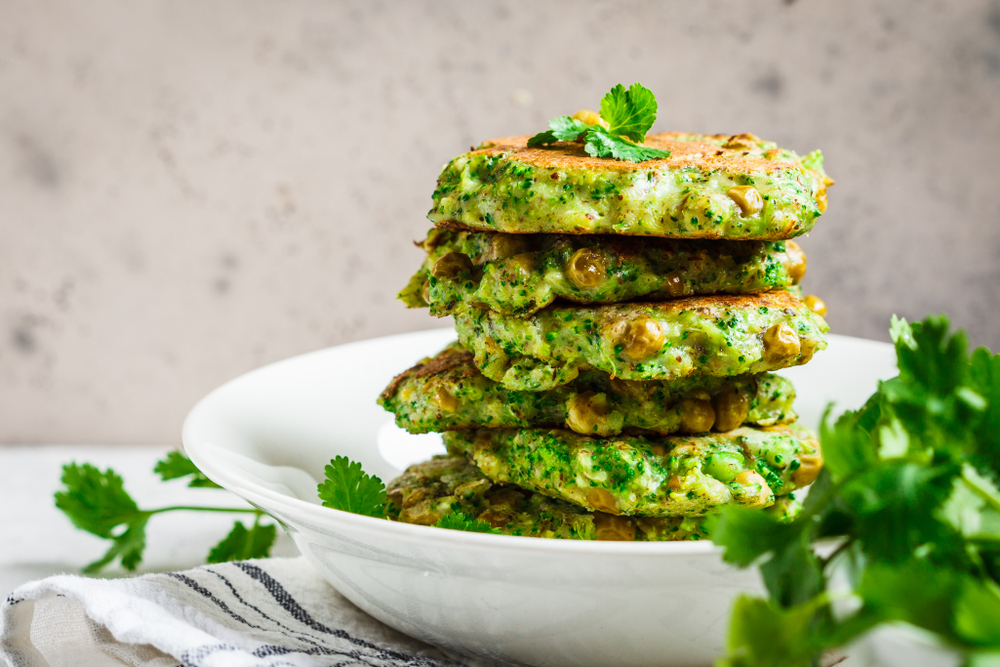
(506, 186)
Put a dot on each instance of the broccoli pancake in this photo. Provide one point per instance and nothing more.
(429, 491)
(518, 274)
(668, 476)
(718, 335)
(448, 392)
(711, 187)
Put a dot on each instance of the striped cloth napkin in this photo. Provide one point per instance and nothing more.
(265, 613)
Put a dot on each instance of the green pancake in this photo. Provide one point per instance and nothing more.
(715, 335)
(711, 187)
(448, 392)
(518, 274)
(427, 492)
(666, 476)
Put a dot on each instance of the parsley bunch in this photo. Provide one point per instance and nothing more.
(629, 114)
(97, 502)
(910, 506)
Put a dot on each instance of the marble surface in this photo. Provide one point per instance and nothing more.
(38, 540)
(190, 190)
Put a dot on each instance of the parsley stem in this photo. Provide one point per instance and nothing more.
(202, 509)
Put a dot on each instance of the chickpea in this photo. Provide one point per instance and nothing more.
(586, 268)
(780, 344)
(445, 400)
(524, 263)
(754, 491)
(451, 265)
(747, 198)
(810, 464)
(590, 117)
(741, 141)
(674, 284)
(815, 304)
(795, 263)
(601, 500)
(503, 246)
(731, 409)
(641, 338)
(586, 413)
(610, 527)
(697, 415)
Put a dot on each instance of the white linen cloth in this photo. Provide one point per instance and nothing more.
(265, 613)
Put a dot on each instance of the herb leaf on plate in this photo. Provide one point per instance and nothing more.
(629, 115)
(347, 487)
(460, 521)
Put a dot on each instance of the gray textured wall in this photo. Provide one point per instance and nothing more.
(192, 189)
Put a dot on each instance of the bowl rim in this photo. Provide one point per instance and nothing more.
(195, 447)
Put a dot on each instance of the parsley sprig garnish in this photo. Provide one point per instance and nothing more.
(628, 113)
(98, 503)
(909, 498)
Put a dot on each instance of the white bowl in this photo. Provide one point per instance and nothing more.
(267, 435)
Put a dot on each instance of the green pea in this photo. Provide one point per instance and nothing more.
(724, 466)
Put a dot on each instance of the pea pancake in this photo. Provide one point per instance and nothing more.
(668, 476)
(448, 392)
(710, 187)
(721, 335)
(518, 274)
(427, 492)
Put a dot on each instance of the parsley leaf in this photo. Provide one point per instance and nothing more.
(243, 544)
(601, 143)
(911, 496)
(347, 487)
(176, 465)
(629, 113)
(561, 128)
(97, 502)
(460, 521)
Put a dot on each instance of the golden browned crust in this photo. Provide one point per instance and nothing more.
(451, 357)
(683, 154)
(773, 300)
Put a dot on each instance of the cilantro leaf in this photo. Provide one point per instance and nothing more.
(629, 113)
(461, 521)
(984, 378)
(763, 635)
(347, 487)
(561, 128)
(177, 465)
(243, 544)
(128, 546)
(97, 502)
(601, 143)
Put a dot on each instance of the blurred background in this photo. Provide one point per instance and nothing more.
(189, 190)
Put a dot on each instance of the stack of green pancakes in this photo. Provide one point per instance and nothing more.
(618, 324)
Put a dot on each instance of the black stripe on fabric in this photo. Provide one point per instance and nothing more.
(194, 657)
(285, 599)
(290, 632)
(194, 585)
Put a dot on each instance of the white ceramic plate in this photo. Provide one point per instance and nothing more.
(267, 435)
